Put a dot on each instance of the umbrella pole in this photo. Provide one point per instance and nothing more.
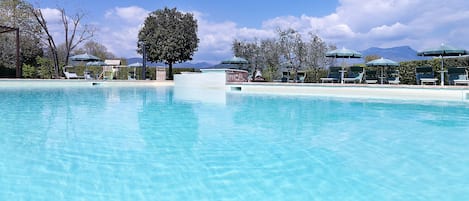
(442, 72)
(342, 72)
(382, 75)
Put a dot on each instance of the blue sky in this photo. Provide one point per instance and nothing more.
(353, 24)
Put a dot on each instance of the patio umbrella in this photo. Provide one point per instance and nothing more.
(233, 63)
(382, 63)
(235, 60)
(343, 53)
(79, 59)
(442, 51)
(138, 64)
(95, 63)
(84, 57)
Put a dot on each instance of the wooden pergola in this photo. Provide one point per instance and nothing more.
(5, 29)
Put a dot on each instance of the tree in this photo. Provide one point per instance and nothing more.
(74, 34)
(293, 49)
(15, 13)
(249, 51)
(288, 50)
(270, 52)
(371, 57)
(50, 40)
(96, 49)
(168, 36)
(317, 49)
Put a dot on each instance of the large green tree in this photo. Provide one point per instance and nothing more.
(168, 36)
(15, 13)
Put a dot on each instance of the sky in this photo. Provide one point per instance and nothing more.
(352, 24)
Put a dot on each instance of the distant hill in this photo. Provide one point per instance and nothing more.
(178, 65)
(398, 54)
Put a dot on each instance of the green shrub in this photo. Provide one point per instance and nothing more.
(29, 71)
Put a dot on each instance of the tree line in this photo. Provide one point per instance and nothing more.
(289, 51)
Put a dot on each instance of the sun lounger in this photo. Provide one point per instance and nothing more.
(393, 77)
(332, 76)
(394, 80)
(88, 75)
(425, 74)
(428, 80)
(371, 77)
(301, 76)
(355, 74)
(357, 79)
(72, 75)
(131, 76)
(457, 75)
(285, 76)
(456, 82)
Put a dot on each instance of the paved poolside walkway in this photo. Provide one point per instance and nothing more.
(369, 91)
(353, 85)
(81, 82)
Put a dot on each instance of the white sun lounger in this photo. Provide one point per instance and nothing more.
(71, 75)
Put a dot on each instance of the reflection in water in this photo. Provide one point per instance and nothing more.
(200, 95)
(62, 116)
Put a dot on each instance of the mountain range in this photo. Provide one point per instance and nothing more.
(398, 54)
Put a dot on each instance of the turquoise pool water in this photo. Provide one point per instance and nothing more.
(125, 143)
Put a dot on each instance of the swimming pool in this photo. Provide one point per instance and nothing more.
(152, 143)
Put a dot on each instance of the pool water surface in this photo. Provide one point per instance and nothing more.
(147, 143)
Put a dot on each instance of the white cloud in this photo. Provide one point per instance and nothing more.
(52, 15)
(338, 32)
(54, 23)
(120, 32)
(131, 15)
(386, 23)
(395, 31)
(296, 23)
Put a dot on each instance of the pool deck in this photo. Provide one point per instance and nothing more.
(458, 93)
(369, 91)
(80, 83)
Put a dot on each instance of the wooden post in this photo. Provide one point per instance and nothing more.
(19, 71)
(17, 30)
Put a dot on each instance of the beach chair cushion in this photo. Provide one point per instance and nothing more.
(71, 75)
